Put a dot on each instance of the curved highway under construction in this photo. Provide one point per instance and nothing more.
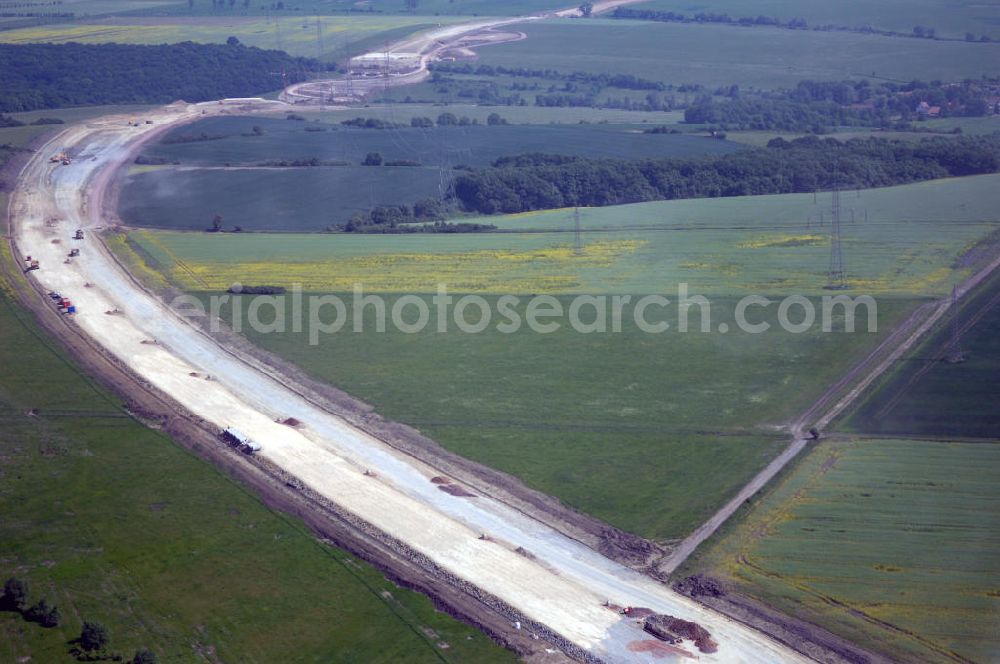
(543, 579)
(534, 578)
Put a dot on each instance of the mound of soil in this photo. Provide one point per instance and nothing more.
(456, 490)
(700, 585)
(670, 629)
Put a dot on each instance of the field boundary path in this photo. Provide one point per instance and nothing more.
(828, 407)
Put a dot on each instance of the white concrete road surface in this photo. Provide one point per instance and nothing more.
(406, 61)
(563, 589)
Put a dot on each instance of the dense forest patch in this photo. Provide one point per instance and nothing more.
(37, 76)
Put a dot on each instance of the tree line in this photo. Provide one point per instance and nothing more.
(918, 32)
(38, 76)
(539, 182)
(816, 106)
(94, 638)
(425, 216)
(623, 81)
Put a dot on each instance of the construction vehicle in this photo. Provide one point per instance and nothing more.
(60, 158)
(30, 264)
(78, 235)
(240, 440)
(73, 253)
(66, 307)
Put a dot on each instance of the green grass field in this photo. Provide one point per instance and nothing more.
(460, 7)
(958, 201)
(939, 129)
(951, 19)
(114, 522)
(928, 395)
(470, 145)
(889, 543)
(912, 245)
(435, 8)
(580, 416)
(315, 198)
(297, 35)
(513, 114)
(648, 432)
(716, 55)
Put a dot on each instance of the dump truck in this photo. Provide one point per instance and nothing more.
(240, 440)
(30, 264)
(78, 235)
(73, 253)
(60, 158)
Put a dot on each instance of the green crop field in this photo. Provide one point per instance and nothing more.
(889, 543)
(513, 114)
(650, 432)
(460, 7)
(928, 395)
(715, 55)
(296, 35)
(113, 522)
(470, 145)
(85, 8)
(919, 240)
(425, 8)
(261, 199)
(315, 198)
(581, 416)
(949, 19)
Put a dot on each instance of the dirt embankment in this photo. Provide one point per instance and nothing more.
(809, 639)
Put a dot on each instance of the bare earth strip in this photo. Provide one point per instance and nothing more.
(406, 62)
(561, 585)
